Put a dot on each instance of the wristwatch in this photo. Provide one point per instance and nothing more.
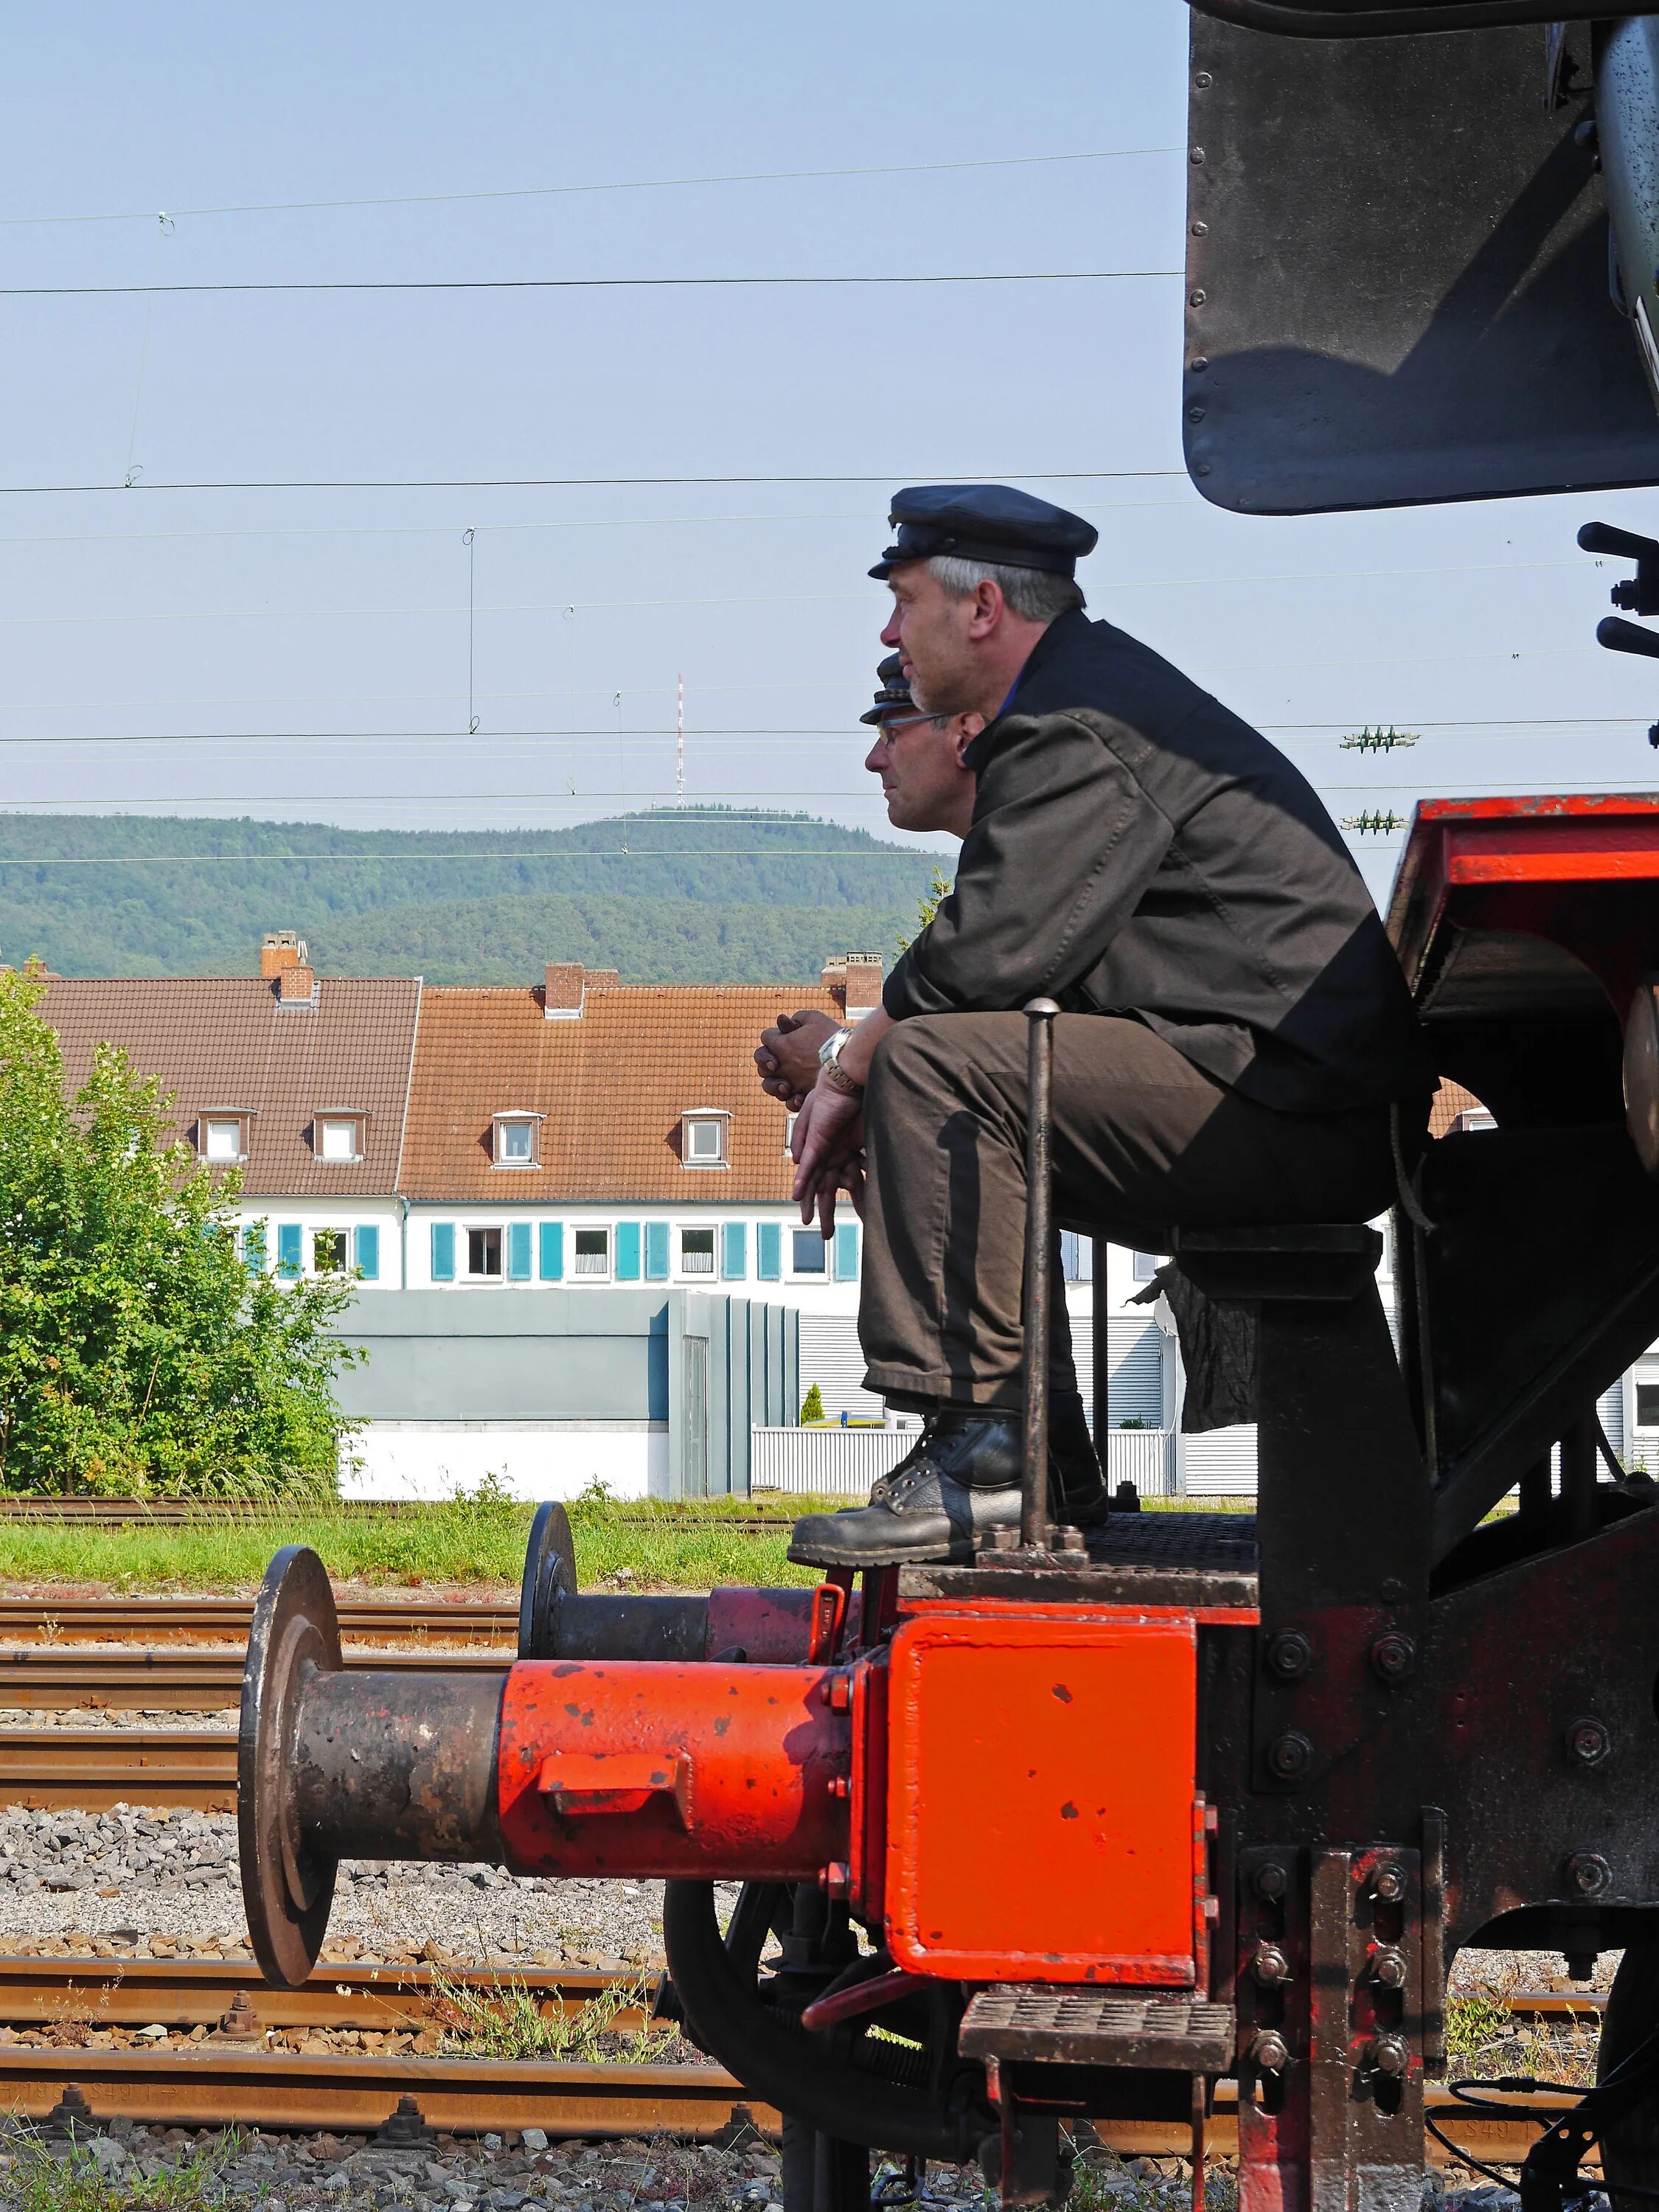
(829, 1053)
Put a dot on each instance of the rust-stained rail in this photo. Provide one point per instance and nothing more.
(215, 2084)
(188, 1993)
(218, 2086)
(89, 1770)
(50, 1678)
(166, 1620)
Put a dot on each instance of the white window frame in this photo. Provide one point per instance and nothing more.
(823, 1274)
(1643, 1378)
(1144, 1266)
(700, 1228)
(515, 1117)
(221, 1118)
(469, 1229)
(704, 1117)
(578, 1231)
(308, 1249)
(341, 1119)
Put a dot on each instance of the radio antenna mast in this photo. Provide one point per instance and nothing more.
(679, 743)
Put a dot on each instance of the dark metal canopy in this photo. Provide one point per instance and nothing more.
(1371, 19)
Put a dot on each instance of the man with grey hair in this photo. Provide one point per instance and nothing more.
(1235, 1032)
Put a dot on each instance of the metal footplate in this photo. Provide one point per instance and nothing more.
(1098, 2027)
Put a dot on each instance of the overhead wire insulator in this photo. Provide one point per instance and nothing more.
(1377, 740)
(1374, 824)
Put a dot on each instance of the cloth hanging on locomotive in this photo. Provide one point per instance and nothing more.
(1219, 1352)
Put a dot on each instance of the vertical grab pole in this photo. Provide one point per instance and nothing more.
(1039, 1235)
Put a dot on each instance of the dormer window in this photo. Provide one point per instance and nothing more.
(222, 1137)
(515, 1140)
(705, 1137)
(337, 1138)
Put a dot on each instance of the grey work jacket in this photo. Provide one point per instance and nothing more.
(1137, 850)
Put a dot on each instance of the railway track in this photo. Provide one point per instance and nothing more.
(160, 1621)
(48, 1678)
(214, 2083)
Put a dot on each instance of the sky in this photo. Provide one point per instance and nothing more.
(510, 656)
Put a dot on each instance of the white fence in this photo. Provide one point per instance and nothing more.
(838, 1462)
(1143, 1456)
(833, 1462)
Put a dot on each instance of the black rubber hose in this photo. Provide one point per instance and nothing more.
(779, 2060)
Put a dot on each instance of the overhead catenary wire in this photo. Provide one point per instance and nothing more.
(890, 476)
(619, 184)
(745, 281)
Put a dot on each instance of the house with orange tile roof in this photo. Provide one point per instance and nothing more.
(563, 1200)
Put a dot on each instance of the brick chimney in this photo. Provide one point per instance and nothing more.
(280, 949)
(563, 991)
(863, 975)
(854, 979)
(296, 986)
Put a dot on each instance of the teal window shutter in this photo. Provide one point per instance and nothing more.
(290, 1249)
(552, 1252)
(768, 1251)
(627, 1251)
(656, 1251)
(518, 1251)
(846, 1252)
(253, 1248)
(443, 1251)
(367, 1251)
(734, 1250)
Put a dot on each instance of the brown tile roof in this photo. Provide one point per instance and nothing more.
(1448, 1102)
(612, 1085)
(222, 1041)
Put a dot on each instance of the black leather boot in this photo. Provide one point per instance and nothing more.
(958, 1481)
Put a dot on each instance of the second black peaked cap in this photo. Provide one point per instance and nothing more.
(985, 522)
(893, 698)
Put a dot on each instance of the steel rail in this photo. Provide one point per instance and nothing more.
(220, 2085)
(217, 2086)
(43, 1678)
(188, 1993)
(121, 1512)
(228, 2081)
(164, 1620)
(89, 1770)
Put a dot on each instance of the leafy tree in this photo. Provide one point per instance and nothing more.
(138, 1351)
(812, 1406)
(938, 887)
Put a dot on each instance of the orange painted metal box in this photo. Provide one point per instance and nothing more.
(1041, 1798)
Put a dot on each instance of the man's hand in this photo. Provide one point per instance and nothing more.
(787, 1055)
(829, 1150)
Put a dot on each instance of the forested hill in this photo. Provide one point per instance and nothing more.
(697, 896)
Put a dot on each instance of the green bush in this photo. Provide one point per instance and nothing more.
(812, 1404)
(137, 1352)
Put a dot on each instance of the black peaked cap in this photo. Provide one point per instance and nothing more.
(986, 522)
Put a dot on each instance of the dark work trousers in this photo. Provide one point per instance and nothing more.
(1142, 1142)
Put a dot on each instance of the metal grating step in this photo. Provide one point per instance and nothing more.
(1098, 2027)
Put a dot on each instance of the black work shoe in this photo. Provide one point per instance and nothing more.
(958, 1482)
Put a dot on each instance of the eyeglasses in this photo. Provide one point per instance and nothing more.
(901, 722)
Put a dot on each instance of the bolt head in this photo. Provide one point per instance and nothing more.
(1589, 1874)
(1389, 2055)
(1389, 1967)
(1196, 157)
(1269, 2052)
(1290, 1756)
(1289, 1654)
(1590, 1741)
(1196, 299)
(1270, 1882)
(1203, 80)
(1392, 1656)
(1270, 1967)
(1388, 1883)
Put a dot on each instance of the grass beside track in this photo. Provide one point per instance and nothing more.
(468, 1542)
